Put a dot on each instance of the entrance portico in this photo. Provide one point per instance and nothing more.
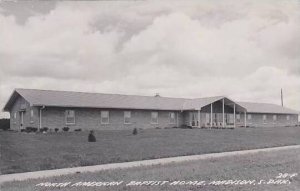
(221, 113)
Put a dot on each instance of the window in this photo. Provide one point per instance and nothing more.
(264, 118)
(31, 115)
(104, 117)
(274, 117)
(70, 117)
(249, 116)
(154, 117)
(287, 117)
(127, 117)
(15, 115)
(172, 118)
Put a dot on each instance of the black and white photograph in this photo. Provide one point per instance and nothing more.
(150, 95)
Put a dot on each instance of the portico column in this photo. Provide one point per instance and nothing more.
(234, 115)
(199, 119)
(223, 113)
(211, 115)
(245, 115)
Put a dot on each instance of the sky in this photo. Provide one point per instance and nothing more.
(246, 50)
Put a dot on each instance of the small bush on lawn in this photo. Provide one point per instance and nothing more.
(44, 129)
(56, 129)
(135, 132)
(185, 127)
(91, 137)
(31, 129)
(77, 130)
(65, 129)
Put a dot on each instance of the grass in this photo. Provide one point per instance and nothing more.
(259, 166)
(22, 152)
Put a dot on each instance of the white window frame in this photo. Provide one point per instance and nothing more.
(151, 120)
(126, 117)
(170, 118)
(264, 118)
(101, 116)
(31, 115)
(274, 117)
(249, 117)
(15, 118)
(66, 116)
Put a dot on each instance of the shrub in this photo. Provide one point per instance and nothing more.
(56, 129)
(91, 137)
(22, 130)
(65, 128)
(185, 127)
(135, 132)
(44, 129)
(31, 129)
(77, 130)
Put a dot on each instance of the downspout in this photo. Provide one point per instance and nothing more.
(40, 126)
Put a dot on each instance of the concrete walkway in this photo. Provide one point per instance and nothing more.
(66, 171)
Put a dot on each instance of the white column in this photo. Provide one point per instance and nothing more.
(177, 119)
(223, 113)
(199, 119)
(245, 115)
(211, 114)
(40, 126)
(22, 120)
(234, 115)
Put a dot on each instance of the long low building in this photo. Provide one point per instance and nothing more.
(79, 110)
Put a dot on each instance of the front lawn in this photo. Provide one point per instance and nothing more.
(22, 152)
(264, 166)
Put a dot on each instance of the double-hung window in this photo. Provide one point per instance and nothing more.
(154, 117)
(31, 116)
(104, 117)
(287, 117)
(127, 117)
(172, 118)
(274, 117)
(249, 116)
(70, 117)
(265, 118)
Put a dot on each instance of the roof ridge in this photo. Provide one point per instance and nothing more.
(71, 91)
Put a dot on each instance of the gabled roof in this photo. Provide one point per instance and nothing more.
(99, 100)
(117, 101)
(266, 108)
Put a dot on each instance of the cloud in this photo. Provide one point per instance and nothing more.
(246, 50)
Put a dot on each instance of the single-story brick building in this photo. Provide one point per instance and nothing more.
(58, 109)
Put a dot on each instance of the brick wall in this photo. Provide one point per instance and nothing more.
(54, 117)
